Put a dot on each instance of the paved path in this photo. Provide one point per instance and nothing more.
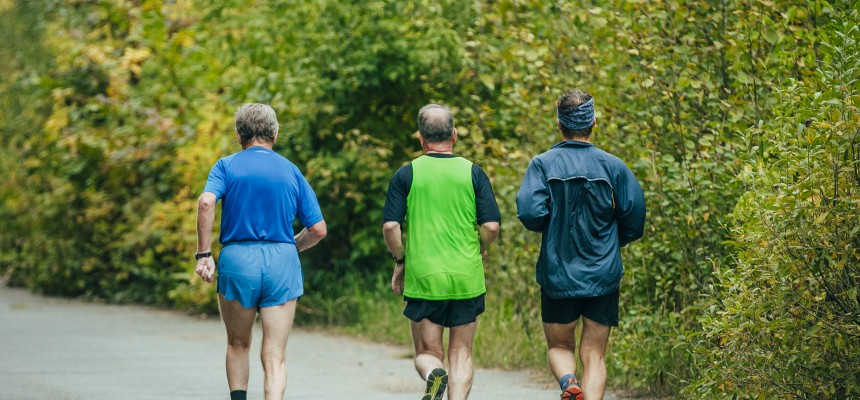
(66, 349)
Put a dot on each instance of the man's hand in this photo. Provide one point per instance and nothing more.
(205, 218)
(206, 268)
(397, 279)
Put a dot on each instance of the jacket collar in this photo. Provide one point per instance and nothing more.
(573, 144)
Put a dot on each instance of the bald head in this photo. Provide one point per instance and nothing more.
(435, 123)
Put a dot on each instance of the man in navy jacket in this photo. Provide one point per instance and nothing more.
(587, 204)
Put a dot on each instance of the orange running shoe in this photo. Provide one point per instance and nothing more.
(572, 391)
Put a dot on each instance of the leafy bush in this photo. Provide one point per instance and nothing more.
(785, 318)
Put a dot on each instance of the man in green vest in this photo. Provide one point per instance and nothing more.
(451, 218)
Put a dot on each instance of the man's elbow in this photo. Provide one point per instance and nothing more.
(631, 236)
(318, 230)
(532, 223)
(390, 227)
(206, 202)
(491, 228)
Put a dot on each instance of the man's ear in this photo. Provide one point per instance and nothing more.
(454, 136)
(594, 123)
(238, 138)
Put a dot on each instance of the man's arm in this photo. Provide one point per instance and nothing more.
(532, 198)
(205, 219)
(310, 236)
(393, 215)
(486, 209)
(488, 232)
(629, 208)
(394, 239)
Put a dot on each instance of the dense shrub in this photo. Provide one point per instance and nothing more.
(785, 318)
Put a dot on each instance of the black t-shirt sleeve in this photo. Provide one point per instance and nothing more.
(398, 190)
(485, 200)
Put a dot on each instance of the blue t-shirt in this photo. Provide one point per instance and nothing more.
(263, 193)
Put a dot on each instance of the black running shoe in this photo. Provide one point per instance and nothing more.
(436, 383)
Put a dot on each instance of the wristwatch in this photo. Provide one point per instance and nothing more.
(400, 261)
(202, 255)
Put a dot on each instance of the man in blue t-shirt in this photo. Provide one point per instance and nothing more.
(262, 193)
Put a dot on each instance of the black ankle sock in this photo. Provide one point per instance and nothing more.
(239, 395)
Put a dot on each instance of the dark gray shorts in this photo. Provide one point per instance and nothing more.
(448, 313)
(601, 309)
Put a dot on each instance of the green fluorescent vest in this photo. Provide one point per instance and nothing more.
(442, 245)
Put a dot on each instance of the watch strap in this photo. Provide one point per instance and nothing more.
(203, 255)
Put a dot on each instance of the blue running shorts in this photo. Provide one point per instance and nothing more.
(260, 274)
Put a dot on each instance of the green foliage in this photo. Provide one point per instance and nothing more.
(112, 114)
(785, 319)
(96, 161)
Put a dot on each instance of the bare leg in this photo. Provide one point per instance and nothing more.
(427, 339)
(277, 324)
(560, 341)
(460, 340)
(592, 352)
(239, 322)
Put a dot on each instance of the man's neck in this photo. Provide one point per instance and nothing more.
(438, 148)
(258, 143)
(578, 139)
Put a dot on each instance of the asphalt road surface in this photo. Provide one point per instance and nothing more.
(66, 349)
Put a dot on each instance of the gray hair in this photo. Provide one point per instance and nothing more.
(435, 123)
(256, 121)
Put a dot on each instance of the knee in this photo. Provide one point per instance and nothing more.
(239, 344)
(561, 344)
(273, 356)
(592, 358)
(436, 353)
(460, 355)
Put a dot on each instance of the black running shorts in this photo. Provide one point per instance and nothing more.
(600, 309)
(448, 313)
